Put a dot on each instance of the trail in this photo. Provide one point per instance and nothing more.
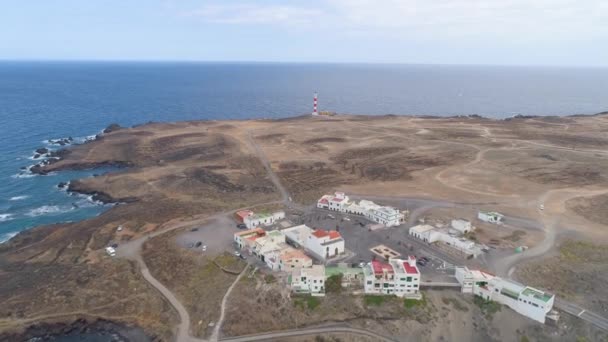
(218, 326)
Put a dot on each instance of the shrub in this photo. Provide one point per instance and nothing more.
(333, 284)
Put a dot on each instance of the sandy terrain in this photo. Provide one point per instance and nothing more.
(181, 171)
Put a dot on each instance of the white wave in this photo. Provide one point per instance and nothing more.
(19, 198)
(7, 236)
(48, 210)
(6, 217)
(23, 175)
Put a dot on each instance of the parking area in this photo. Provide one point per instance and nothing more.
(217, 235)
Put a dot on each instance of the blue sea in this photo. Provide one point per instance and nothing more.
(47, 100)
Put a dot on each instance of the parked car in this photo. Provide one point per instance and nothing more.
(361, 264)
(347, 218)
(425, 259)
(241, 226)
(194, 230)
(237, 253)
(242, 257)
(198, 244)
(362, 224)
(114, 245)
(421, 263)
(204, 248)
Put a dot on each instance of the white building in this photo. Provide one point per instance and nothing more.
(325, 244)
(387, 216)
(335, 202)
(321, 243)
(111, 251)
(292, 258)
(432, 234)
(491, 217)
(463, 226)
(396, 277)
(308, 280)
(297, 235)
(263, 219)
(268, 248)
(525, 300)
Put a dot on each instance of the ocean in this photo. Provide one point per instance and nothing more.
(48, 100)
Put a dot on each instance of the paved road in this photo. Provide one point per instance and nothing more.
(307, 332)
(586, 315)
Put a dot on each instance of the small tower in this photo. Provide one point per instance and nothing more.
(314, 105)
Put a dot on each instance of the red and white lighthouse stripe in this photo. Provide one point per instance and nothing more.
(314, 105)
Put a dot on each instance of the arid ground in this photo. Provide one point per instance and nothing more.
(177, 176)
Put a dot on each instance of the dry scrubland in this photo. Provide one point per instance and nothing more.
(183, 170)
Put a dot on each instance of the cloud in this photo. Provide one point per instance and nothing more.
(255, 14)
(547, 19)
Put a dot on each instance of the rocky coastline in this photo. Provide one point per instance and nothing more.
(80, 329)
(79, 187)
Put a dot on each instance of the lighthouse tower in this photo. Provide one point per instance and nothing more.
(314, 105)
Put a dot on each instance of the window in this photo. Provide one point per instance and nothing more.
(315, 281)
(415, 285)
(409, 278)
(402, 279)
(369, 282)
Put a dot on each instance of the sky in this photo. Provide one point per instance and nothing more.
(503, 32)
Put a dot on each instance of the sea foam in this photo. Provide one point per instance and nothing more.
(18, 198)
(48, 210)
(6, 217)
(7, 236)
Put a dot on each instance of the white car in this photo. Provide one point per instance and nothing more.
(346, 218)
(237, 254)
(542, 207)
(362, 264)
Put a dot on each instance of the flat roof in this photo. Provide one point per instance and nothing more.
(379, 267)
(410, 269)
(333, 270)
(540, 295)
(422, 228)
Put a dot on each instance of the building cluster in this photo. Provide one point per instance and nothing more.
(253, 220)
(453, 237)
(525, 300)
(271, 248)
(339, 201)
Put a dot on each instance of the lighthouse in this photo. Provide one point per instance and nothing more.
(314, 105)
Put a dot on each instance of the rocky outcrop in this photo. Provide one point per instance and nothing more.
(111, 128)
(42, 150)
(81, 188)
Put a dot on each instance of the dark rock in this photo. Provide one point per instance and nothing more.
(36, 156)
(62, 185)
(42, 150)
(111, 128)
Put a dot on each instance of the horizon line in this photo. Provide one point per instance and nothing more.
(201, 61)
